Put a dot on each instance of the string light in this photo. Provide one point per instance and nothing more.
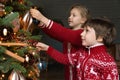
(3, 75)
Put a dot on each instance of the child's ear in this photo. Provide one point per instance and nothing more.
(83, 20)
(100, 39)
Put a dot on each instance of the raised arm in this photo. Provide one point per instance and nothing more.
(62, 34)
(56, 30)
(55, 54)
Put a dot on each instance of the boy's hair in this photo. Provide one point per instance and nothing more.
(103, 28)
(83, 10)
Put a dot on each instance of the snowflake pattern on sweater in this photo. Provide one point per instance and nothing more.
(96, 65)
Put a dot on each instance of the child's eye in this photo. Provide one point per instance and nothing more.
(86, 30)
(74, 15)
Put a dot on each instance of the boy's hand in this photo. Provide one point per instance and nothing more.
(42, 46)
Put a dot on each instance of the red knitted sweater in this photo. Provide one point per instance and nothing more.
(91, 63)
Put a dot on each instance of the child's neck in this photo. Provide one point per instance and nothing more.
(97, 44)
(77, 27)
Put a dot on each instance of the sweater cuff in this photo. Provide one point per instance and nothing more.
(42, 26)
(50, 23)
(49, 26)
(50, 49)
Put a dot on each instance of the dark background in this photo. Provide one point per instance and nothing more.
(59, 9)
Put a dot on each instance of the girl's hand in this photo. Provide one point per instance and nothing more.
(42, 46)
(36, 14)
(39, 16)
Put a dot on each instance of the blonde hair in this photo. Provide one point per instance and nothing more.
(83, 10)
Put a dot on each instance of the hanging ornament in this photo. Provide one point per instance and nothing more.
(27, 21)
(42, 64)
(6, 33)
(2, 10)
(35, 21)
(30, 59)
(15, 75)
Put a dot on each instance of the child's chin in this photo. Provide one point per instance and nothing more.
(83, 44)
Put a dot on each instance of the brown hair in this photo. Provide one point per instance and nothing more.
(103, 28)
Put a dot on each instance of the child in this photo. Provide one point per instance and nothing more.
(92, 61)
(78, 15)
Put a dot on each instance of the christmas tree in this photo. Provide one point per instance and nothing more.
(19, 59)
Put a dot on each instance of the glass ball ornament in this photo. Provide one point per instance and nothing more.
(30, 59)
(35, 21)
(6, 33)
(42, 65)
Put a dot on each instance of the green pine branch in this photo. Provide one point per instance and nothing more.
(6, 21)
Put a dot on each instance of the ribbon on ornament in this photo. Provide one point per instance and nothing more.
(27, 21)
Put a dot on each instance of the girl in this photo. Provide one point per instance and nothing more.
(70, 39)
(92, 61)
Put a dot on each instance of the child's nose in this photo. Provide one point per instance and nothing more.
(82, 33)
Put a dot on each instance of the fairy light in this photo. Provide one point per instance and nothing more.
(33, 53)
(16, 53)
(3, 75)
(4, 58)
(30, 47)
